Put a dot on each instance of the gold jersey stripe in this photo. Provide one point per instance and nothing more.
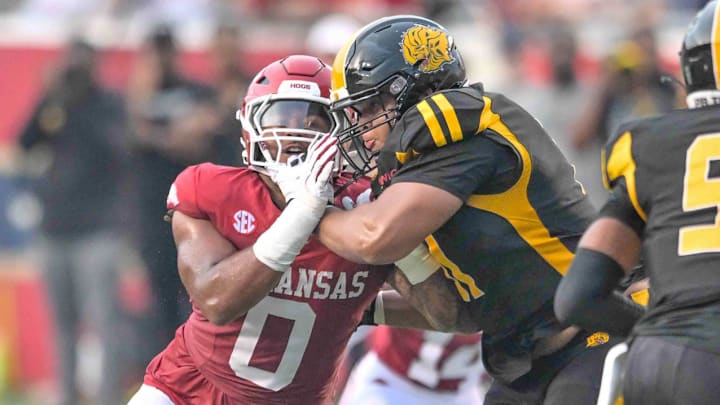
(432, 123)
(514, 204)
(450, 116)
(715, 45)
(458, 275)
(621, 163)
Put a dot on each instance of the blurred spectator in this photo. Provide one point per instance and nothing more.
(171, 120)
(78, 127)
(631, 88)
(328, 34)
(230, 84)
(558, 50)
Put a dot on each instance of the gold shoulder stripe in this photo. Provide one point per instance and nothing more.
(514, 204)
(621, 163)
(451, 118)
(463, 282)
(432, 123)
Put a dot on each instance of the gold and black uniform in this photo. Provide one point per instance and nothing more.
(509, 245)
(665, 177)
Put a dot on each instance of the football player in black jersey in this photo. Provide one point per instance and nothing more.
(475, 177)
(664, 173)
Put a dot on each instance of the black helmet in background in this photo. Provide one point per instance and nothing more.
(700, 53)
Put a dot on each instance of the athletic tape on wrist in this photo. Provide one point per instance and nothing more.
(418, 265)
(278, 246)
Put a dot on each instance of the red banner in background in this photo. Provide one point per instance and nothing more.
(24, 70)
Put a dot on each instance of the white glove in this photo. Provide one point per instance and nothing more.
(278, 246)
(309, 179)
(290, 177)
(363, 198)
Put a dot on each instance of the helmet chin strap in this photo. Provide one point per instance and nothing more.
(703, 98)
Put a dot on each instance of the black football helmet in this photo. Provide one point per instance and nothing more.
(401, 58)
(700, 53)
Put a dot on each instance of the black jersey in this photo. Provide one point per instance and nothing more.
(665, 177)
(508, 246)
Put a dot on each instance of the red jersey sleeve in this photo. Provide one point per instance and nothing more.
(183, 193)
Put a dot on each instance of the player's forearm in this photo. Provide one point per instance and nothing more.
(435, 300)
(586, 296)
(361, 237)
(400, 313)
(229, 288)
(339, 231)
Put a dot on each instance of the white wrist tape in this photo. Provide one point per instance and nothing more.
(418, 265)
(283, 240)
(379, 315)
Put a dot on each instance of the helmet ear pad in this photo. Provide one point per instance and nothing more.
(699, 67)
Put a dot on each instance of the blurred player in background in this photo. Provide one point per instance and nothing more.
(79, 127)
(172, 119)
(272, 308)
(665, 177)
(410, 366)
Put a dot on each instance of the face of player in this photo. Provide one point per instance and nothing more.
(290, 126)
(376, 113)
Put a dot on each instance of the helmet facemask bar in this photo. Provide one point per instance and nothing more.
(264, 121)
(365, 112)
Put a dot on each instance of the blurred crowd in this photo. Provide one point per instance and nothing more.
(84, 178)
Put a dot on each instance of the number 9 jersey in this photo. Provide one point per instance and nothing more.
(664, 174)
(286, 348)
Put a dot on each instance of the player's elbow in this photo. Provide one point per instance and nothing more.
(380, 244)
(370, 252)
(219, 311)
(215, 312)
(570, 305)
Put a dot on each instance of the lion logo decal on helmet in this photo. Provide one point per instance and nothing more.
(429, 45)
